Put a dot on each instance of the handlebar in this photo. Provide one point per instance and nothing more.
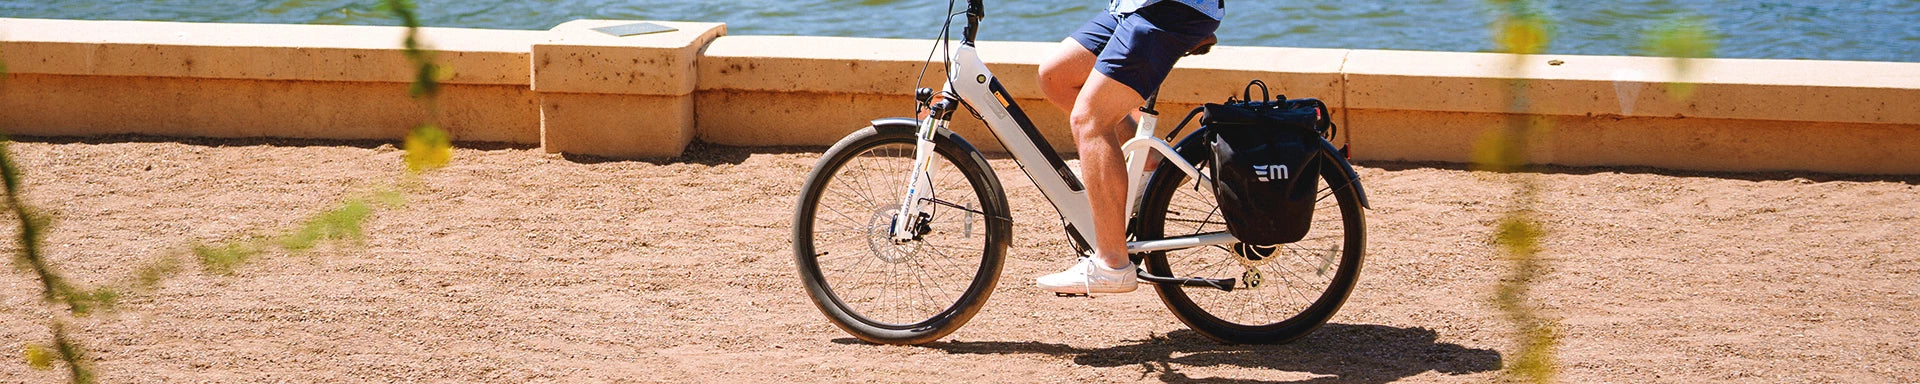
(975, 12)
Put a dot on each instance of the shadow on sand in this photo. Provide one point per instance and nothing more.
(1336, 353)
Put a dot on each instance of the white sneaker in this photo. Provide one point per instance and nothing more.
(1088, 276)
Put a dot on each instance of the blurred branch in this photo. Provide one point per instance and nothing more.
(1682, 38)
(428, 147)
(54, 288)
(1520, 29)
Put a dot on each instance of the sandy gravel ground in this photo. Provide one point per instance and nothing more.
(518, 266)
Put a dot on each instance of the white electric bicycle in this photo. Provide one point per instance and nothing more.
(901, 230)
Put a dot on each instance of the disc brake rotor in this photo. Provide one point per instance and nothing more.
(1254, 256)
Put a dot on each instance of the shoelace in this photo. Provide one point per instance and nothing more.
(1086, 267)
(1086, 275)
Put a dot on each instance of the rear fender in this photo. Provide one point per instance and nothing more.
(1330, 152)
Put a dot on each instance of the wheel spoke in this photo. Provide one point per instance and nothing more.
(953, 263)
(1291, 277)
(895, 285)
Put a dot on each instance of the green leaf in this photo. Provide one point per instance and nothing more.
(149, 275)
(428, 148)
(223, 258)
(335, 224)
(39, 357)
(1522, 34)
(1683, 37)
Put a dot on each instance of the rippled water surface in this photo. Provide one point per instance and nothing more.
(1877, 30)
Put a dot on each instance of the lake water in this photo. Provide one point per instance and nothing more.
(1873, 30)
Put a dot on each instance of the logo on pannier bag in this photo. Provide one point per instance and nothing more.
(1268, 173)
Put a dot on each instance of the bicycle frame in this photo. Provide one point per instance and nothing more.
(969, 79)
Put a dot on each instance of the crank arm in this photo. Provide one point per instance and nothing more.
(1220, 284)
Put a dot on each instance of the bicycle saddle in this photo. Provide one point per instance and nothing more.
(1205, 46)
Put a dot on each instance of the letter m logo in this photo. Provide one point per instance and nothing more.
(1268, 173)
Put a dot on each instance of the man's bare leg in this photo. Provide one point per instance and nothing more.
(1098, 109)
(1102, 107)
(1063, 75)
(1100, 115)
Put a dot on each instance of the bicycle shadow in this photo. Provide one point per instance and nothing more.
(1336, 353)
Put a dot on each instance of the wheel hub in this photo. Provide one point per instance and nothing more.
(1252, 257)
(1252, 278)
(880, 236)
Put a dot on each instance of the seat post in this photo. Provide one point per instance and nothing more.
(1149, 118)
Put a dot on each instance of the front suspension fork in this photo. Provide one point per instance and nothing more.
(908, 220)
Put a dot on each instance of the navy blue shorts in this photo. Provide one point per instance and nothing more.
(1139, 49)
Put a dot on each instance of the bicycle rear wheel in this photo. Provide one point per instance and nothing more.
(1282, 291)
(889, 292)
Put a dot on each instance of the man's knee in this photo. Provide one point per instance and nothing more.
(1102, 105)
(1091, 126)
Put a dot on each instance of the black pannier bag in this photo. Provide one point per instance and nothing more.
(1266, 164)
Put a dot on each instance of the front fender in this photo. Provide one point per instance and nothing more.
(907, 121)
(943, 135)
(911, 125)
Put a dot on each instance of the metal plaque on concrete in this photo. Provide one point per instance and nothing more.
(625, 30)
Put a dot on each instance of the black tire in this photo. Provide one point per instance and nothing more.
(1301, 284)
(899, 293)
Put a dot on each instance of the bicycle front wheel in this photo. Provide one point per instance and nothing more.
(1282, 291)
(899, 292)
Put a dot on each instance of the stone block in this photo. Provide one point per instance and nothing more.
(69, 105)
(258, 51)
(1697, 144)
(628, 97)
(616, 125)
(807, 64)
(1746, 89)
(577, 59)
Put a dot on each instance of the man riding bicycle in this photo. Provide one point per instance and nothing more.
(1102, 72)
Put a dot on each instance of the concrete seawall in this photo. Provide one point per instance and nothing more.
(574, 90)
